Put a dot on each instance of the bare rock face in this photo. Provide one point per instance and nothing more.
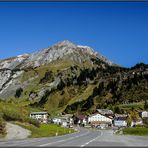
(9, 83)
(12, 68)
(32, 96)
(59, 51)
(12, 63)
(88, 50)
(48, 55)
(4, 77)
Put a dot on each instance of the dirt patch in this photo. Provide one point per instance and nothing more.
(16, 132)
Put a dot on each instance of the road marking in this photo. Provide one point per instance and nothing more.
(65, 139)
(91, 140)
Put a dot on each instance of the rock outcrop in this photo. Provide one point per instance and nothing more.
(11, 69)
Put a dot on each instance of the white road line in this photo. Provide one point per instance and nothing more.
(91, 140)
(65, 139)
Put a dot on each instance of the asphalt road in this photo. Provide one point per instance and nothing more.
(83, 138)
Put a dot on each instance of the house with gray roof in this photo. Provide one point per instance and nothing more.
(41, 116)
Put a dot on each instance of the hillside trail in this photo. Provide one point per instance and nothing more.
(16, 132)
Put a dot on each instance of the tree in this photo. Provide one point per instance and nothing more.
(133, 115)
(18, 92)
(44, 98)
(61, 85)
(95, 91)
(117, 110)
(135, 79)
(75, 119)
(129, 84)
(88, 104)
(101, 88)
(47, 77)
(145, 122)
(145, 105)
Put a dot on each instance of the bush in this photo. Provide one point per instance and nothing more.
(145, 122)
(34, 122)
(10, 115)
(48, 77)
(13, 115)
(139, 125)
(18, 92)
(2, 126)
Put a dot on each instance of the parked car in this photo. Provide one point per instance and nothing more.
(98, 126)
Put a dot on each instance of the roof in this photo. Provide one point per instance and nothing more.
(144, 111)
(120, 118)
(100, 122)
(67, 115)
(94, 114)
(121, 115)
(38, 113)
(81, 117)
(105, 111)
(110, 117)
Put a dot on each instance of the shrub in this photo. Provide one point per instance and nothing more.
(10, 115)
(2, 126)
(145, 122)
(18, 92)
(34, 122)
(139, 125)
(48, 77)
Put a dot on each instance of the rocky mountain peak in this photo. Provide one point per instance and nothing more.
(87, 49)
(13, 62)
(66, 43)
(55, 52)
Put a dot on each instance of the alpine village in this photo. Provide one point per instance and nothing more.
(55, 90)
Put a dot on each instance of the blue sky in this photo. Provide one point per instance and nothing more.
(118, 30)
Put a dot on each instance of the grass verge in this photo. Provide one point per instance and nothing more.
(45, 130)
(137, 131)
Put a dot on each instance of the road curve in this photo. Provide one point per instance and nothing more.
(83, 138)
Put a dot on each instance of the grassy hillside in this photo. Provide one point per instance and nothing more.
(136, 106)
(68, 86)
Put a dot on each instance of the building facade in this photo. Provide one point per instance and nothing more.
(144, 114)
(120, 120)
(41, 116)
(98, 119)
(120, 123)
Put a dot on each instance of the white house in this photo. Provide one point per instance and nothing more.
(71, 121)
(82, 119)
(139, 122)
(57, 120)
(144, 114)
(65, 123)
(41, 116)
(120, 120)
(98, 118)
(120, 123)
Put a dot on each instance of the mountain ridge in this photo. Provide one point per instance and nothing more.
(47, 55)
(70, 78)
